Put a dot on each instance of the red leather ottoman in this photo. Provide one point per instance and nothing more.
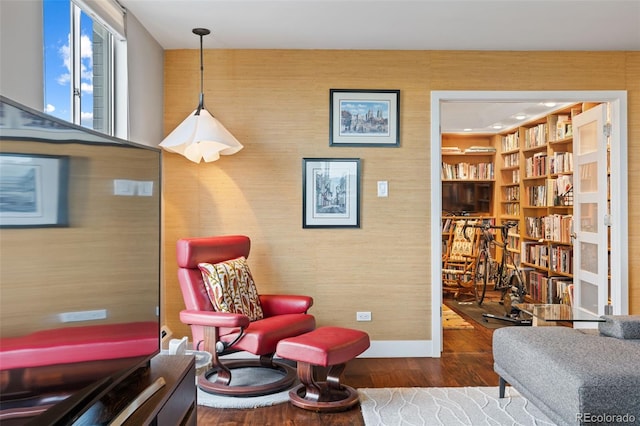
(329, 347)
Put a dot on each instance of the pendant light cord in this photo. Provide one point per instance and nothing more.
(201, 32)
(201, 103)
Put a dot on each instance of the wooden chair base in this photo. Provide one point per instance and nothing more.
(222, 384)
(337, 399)
(327, 396)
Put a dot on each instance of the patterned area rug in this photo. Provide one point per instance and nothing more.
(452, 321)
(474, 406)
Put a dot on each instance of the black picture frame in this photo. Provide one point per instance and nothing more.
(331, 192)
(33, 190)
(364, 118)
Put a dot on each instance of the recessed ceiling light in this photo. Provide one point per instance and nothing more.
(520, 117)
(467, 129)
(550, 104)
(497, 126)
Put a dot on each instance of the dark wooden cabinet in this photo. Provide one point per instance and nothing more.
(174, 403)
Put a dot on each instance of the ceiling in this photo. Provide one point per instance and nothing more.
(401, 25)
(394, 24)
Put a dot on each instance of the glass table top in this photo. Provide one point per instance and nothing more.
(558, 312)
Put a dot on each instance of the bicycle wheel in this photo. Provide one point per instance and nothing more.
(483, 268)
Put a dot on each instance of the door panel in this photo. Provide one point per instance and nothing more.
(591, 260)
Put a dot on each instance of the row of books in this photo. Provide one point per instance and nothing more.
(511, 193)
(537, 195)
(539, 164)
(561, 259)
(554, 227)
(480, 149)
(562, 127)
(549, 289)
(554, 192)
(511, 160)
(535, 136)
(535, 254)
(536, 165)
(561, 162)
(511, 209)
(510, 142)
(471, 149)
(513, 241)
(467, 171)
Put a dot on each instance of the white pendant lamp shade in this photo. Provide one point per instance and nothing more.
(201, 137)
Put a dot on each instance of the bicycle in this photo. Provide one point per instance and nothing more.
(504, 273)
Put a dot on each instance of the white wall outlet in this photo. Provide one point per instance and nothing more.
(363, 316)
(77, 316)
(383, 188)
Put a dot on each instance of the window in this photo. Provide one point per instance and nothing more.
(80, 51)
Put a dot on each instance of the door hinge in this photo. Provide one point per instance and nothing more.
(606, 129)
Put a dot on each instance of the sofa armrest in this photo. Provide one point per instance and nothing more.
(281, 304)
(214, 319)
(620, 326)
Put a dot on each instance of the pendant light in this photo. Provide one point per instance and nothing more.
(201, 135)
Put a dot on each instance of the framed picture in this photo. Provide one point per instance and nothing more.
(33, 190)
(364, 118)
(330, 192)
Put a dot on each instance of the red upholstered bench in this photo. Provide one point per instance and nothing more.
(329, 347)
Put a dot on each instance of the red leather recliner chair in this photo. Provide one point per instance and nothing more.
(221, 333)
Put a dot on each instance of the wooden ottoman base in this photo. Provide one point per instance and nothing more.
(328, 347)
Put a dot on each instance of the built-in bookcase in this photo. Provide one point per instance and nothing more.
(535, 181)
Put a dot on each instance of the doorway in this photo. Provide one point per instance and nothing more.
(618, 183)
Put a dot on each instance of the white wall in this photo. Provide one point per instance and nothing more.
(146, 82)
(21, 75)
(21, 67)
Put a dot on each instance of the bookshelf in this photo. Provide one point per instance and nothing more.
(534, 180)
(468, 174)
(468, 180)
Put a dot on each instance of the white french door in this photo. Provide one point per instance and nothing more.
(590, 210)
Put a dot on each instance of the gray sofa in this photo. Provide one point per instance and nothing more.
(574, 376)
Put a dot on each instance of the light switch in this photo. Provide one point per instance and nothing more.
(145, 188)
(124, 187)
(383, 188)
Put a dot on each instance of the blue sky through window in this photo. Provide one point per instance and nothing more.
(57, 65)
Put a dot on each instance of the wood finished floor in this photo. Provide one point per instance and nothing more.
(466, 361)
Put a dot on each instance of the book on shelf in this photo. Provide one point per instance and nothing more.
(451, 150)
(487, 149)
(559, 288)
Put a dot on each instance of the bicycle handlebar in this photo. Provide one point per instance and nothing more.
(485, 226)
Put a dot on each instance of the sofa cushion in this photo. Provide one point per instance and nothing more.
(231, 288)
(620, 326)
(564, 371)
